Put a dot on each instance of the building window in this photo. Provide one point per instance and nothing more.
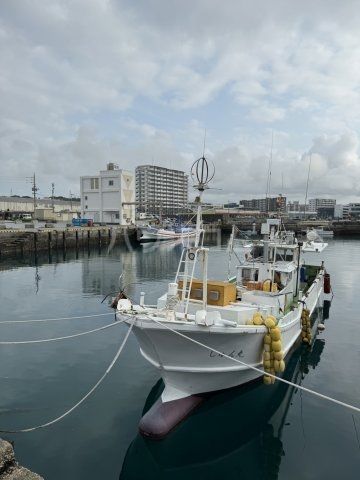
(94, 183)
(117, 215)
(85, 197)
(86, 207)
(111, 183)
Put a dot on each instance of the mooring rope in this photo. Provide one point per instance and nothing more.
(55, 319)
(44, 340)
(308, 390)
(82, 400)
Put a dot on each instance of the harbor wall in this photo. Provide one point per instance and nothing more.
(29, 241)
(9, 468)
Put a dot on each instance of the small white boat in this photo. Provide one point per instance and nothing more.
(206, 335)
(152, 234)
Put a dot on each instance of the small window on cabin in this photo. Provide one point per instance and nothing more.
(111, 183)
(214, 295)
(117, 215)
(85, 197)
(86, 207)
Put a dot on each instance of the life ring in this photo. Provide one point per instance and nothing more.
(191, 256)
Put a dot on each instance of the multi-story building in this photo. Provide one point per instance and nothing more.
(109, 197)
(160, 189)
(324, 207)
(270, 204)
(315, 203)
(352, 210)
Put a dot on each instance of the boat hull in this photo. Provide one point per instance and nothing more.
(188, 368)
(148, 236)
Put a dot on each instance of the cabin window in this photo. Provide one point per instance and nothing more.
(214, 295)
(111, 183)
(198, 293)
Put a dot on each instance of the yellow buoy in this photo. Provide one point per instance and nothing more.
(275, 333)
(267, 380)
(270, 321)
(279, 355)
(267, 285)
(267, 356)
(267, 364)
(257, 318)
(276, 345)
(267, 339)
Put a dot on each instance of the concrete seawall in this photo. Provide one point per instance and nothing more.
(27, 241)
(9, 468)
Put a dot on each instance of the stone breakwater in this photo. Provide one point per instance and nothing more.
(9, 468)
(28, 241)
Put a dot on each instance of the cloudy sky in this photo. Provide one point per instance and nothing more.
(85, 82)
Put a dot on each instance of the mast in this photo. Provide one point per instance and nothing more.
(307, 185)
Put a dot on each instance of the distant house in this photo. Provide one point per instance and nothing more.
(109, 197)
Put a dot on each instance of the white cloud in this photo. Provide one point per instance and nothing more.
(149, 76)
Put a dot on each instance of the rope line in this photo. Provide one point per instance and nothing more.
(44, 340)
(308, 390)
(82, 400)
(54, 319)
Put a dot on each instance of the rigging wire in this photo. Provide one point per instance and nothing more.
(82, 400)
(55, 319)
(46, 340)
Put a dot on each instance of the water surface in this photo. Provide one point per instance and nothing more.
(257, 432)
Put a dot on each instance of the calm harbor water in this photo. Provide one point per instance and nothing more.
(253, 433)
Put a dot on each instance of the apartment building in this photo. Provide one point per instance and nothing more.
(160, 189)
(270, 204)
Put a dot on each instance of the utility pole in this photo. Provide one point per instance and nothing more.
(70, 195)
(34, 189)
(52, 196)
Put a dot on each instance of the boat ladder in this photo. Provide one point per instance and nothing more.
(185, 273)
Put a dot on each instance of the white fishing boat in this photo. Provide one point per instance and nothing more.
(211, 334)
(153, 234)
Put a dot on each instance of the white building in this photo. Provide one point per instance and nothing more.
(109, 197)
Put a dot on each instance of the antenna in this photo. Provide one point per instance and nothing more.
(52, 196)
(268, 180)
(201, 173)
(204, 143)
(307, 184)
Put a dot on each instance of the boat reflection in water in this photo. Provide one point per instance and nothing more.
(235, 433)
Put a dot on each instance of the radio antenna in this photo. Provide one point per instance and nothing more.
(204, 143)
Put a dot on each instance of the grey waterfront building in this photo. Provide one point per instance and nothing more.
(269, 204)
(160, 189)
